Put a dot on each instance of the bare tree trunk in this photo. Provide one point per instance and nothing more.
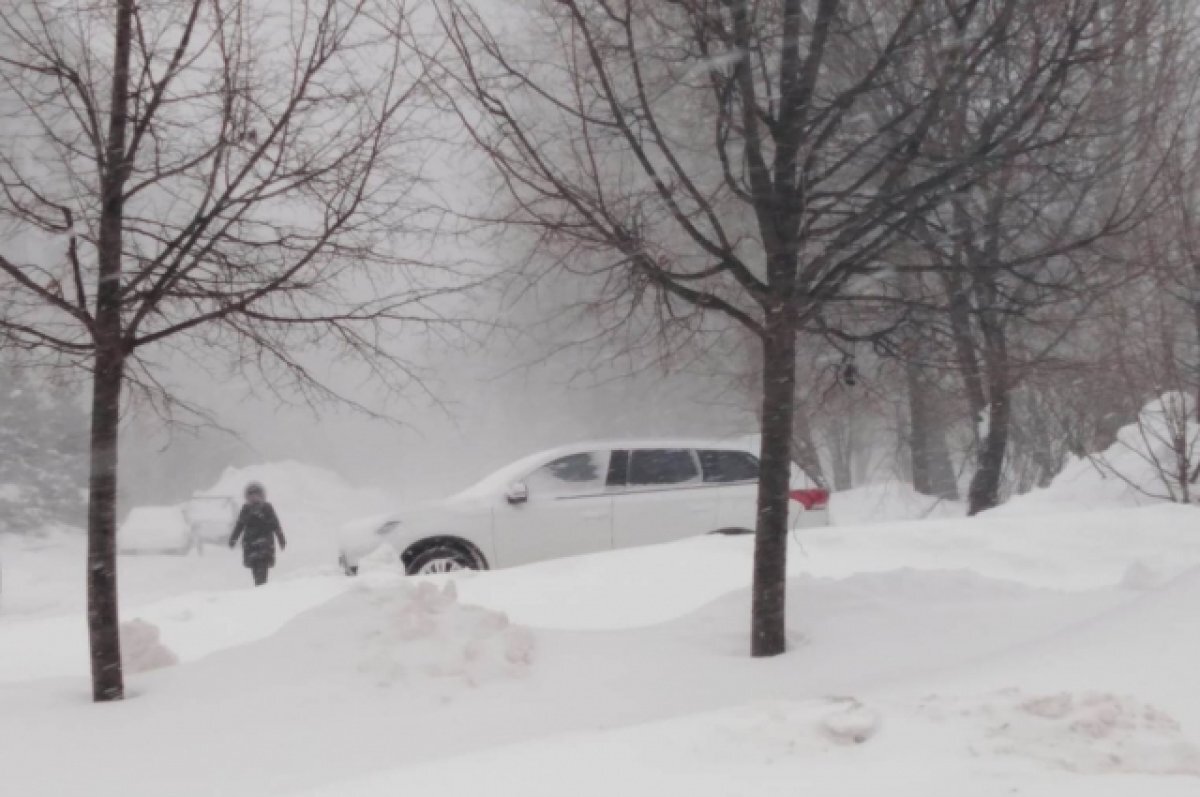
(932, 470)
(918, 428)
(103, 620)
(985, 484)
(841, 460)
(768, 623)
(984, 492)
(1195, 373)
(964, 349)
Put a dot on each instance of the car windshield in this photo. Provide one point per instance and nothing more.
(583, 473)
(499, 481)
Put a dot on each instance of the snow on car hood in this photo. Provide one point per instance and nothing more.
(414, 517)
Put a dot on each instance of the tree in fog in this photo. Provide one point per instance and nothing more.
(755, 160)
(223, 178)
(1145, 338)
(43, 434)
(1018, 257)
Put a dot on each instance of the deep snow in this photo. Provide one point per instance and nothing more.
(1052, 654)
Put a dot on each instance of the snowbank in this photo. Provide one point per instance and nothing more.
(1137, 470)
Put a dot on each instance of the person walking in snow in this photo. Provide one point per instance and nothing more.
(258, 527)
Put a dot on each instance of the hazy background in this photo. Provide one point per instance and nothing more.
(479, 398)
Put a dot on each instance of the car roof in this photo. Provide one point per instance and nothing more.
(501, 478)
(646, 442)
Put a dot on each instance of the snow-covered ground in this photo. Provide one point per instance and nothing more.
(1015, 653)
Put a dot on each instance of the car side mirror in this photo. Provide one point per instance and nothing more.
(517, 493)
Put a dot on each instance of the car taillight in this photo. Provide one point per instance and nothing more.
(811, 499)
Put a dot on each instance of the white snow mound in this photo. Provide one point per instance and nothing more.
(142, 649)
(424, 634)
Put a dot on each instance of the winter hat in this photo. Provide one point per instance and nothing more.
(255, 487)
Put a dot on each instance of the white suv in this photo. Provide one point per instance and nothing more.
(578, 500)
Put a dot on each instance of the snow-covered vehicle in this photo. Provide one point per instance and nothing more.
(577, 500)
(155, 529)
(211, 518)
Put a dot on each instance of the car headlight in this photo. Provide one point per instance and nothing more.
(388, 527)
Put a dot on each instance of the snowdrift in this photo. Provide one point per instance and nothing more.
(1139, 469)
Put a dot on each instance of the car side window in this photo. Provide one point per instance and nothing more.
(618, 469)
(573, 475)
(655, 467)
(724, 467)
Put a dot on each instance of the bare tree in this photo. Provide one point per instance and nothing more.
(1150, 342)
(223, 178)
(1023, 253)
(754, 159)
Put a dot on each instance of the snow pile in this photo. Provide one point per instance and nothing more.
(1085, 733)
(425, 633)
(306, 493)
(1138, 469)
(142, 649)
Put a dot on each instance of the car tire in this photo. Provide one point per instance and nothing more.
(441, 558)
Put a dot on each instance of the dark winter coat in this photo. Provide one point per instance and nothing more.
(258, 526)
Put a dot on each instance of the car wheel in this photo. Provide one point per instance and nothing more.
(441, 559)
